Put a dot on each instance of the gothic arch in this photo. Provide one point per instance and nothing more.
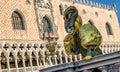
(20, 63)
(47, 24)
(47, 17)
(109, 29)
(11, 60)
(22, 17)
(61, 9)
(3, 61)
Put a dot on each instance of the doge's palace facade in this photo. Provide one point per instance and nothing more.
(32, 31)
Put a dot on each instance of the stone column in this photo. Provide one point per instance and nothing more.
(8, 64)
(66, 59)
(40, 61)
(43, 60)
(55, 59)
(29, 53)
(23, 61)
(49, 59)
(75, 57)
(0, 63)
(6, 54)
(60, 56)
(16, 64)
(30, 59)
(80, 57)
(14, 53)
(36, 58)
(0, 60)
(65, 56)
(37, 62)
(106, 50)
(70, 56)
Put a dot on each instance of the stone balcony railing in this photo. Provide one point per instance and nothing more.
(104, 63)
(38, 55)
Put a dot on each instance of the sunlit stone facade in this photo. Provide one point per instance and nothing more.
(98, 14)
(32, 32)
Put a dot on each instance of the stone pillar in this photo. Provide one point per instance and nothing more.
(29, 53)
(6, 54)
(80, 57)
(40, 61)
(8, 64)
(37, 62)
(49, 59)
(70, 56)
(66, 59)
(43, 60)
(36, 58)
(14, 53)
(55, 59)
(60, 57)
(16, 64)
(0, 63)
(75, 57)
(106, 50)
(23, 61)
(30, 59)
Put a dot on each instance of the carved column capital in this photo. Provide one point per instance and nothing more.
(14, 54)
(6, 54)
(29, 53)
(36, 53)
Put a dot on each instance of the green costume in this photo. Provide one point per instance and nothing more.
(84, 39)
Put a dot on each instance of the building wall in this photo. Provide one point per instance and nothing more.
(99, 21)
(32, 33)
(28, 11)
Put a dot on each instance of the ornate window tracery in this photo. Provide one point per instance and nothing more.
(47, 27)
(17, 21)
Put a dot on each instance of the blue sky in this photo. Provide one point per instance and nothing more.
(111, 2)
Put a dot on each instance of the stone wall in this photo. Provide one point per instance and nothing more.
(99, 14)
(26, 8)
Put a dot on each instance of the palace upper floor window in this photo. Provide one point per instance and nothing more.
(84, 11)
(61, 9)
(109, 29)
(17, 21)
(91, 22)
(47, 26)
(96, 13)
